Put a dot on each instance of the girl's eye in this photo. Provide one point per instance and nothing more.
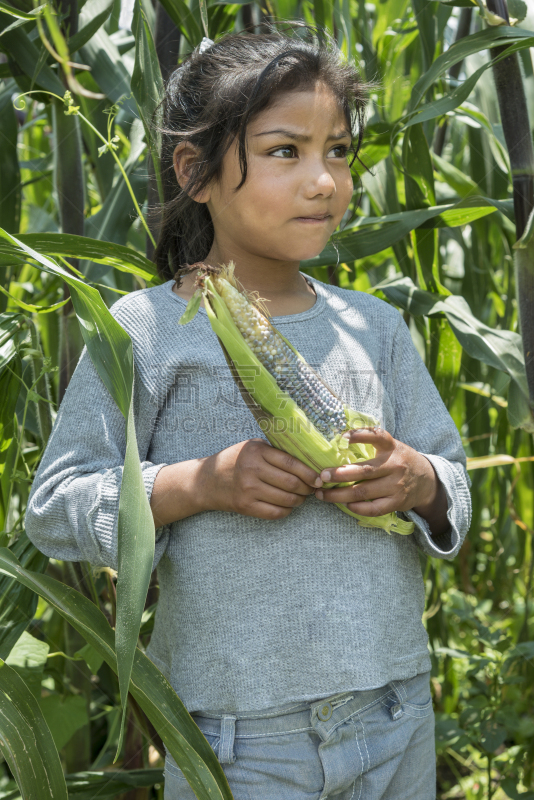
(284, 152)
(339, 151)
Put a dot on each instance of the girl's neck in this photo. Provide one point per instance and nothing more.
(280, 284)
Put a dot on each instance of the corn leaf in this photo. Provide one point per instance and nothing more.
(358, 241)
(501, 349)
(15, 12)
(28, 58)
(93, 784)
(482, 40)
(148, 685)
(17, 602)
(25, 741)
(124, 259)
(107, 68)
(91, 17)
(184, 19)
(147, 85)
(111, 351)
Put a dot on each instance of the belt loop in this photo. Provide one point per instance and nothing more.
(226, 744)
(396, 709)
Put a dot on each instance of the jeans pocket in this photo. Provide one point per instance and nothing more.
(417, 700)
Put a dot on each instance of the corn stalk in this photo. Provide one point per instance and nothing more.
(167, 40)
(69, 186)
(518, 137)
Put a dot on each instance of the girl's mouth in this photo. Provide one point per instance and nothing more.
(316, 219)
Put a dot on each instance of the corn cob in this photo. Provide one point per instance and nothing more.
(294, 407)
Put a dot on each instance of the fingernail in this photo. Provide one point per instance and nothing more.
(325, 475)
(346, 435)
(318, 482)
(319, 494)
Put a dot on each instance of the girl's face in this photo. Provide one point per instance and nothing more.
(298, 182)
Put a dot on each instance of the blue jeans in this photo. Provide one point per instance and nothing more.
(372, 745)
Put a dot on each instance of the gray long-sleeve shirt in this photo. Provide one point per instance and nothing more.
(255, 614)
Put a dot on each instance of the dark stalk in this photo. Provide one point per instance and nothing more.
(518, 138)
(167, 42)
(246, 15)
(69, 185)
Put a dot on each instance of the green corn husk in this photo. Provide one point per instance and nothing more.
(283, 422)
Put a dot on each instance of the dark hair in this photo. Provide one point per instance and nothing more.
(209, 101)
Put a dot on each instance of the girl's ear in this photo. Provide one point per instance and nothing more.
(184, 158)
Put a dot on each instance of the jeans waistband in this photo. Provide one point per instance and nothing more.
(323, 714)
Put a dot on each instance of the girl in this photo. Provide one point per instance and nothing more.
(292, 633)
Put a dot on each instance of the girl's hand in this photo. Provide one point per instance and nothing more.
(398, 478)
(257, 480)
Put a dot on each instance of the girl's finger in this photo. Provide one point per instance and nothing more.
(279, 497)
(363, 471)
(289, 464)
(378, 437)
(285, 481)
(363, 492)
(262, 510)
(373, 508)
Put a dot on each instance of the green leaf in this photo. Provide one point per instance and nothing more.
(26, 55)
(64, 716)
(107, 68)
(204, 15)
(124, 259)
(135, 560)
(419, 191)
(17, 602)
(509, 785)
(111, 351)
(191, 308)
(492, 735)
(114, 220)
(10, 386)
(28, 657)
(517, 9)
(501, 349)
(93, 659)
(25, 741)
(93, 14)
(445, 360)
(147, 85)
(15, 12)
(149, 686)
(418, 174)
(449, 734)
(185, 21)
(91, 785)
(32, 308)
(476, 42)
(28, 653)
(359, 242)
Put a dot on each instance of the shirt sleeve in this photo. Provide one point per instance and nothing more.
(73, 508)
(423, 422)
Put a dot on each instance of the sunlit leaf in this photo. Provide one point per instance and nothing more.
(125, 259)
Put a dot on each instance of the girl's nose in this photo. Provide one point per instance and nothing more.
(320, 183)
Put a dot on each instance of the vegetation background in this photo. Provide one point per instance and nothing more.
(442, 230)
